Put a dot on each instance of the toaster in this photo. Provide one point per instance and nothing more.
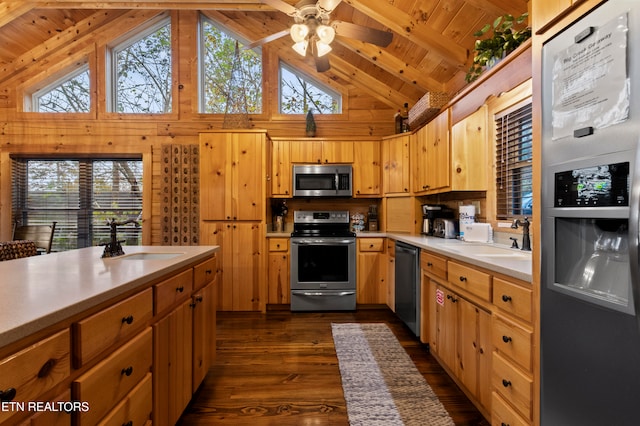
(445, 228)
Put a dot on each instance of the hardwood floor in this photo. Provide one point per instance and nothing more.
(281, 368)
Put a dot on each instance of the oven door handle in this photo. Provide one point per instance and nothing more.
(323, 242)
(323, 294)
(337, 181)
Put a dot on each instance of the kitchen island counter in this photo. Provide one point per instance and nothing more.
(38, 292)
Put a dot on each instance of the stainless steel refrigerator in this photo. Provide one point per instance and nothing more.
(590, 332)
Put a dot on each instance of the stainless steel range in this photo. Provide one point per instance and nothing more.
(323, 262)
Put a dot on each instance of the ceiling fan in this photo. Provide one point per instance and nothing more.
(313, 31)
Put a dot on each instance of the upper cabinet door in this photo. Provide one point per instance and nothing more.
(232, 181)
(469, 150)
(366, 169)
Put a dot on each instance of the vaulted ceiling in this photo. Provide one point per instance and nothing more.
(431, 48)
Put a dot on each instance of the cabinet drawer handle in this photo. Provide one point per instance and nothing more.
(127, 371)
(463, 278)
(128, 319)
(198, 299)
(506, 339)
(46, 368)
(429, 264)
(180, 289)
(129, 423)
(504, 424)
(208, 271)
(506, 383)
(506, 298)
(8, 395)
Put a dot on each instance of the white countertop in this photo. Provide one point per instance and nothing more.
(518, 266)
(39, 291)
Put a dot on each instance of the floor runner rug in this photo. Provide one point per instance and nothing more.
(381, 384)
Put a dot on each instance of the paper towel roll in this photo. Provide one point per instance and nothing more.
(467, 215)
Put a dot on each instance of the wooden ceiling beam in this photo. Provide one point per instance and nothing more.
(418, 32)
(392, 65)
(249, 5)
(10, 10)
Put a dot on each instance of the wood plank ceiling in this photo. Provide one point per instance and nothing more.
(430, 52)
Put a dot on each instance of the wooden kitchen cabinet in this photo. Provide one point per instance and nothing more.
(242, 281)
(107, 383)
(469, 152)
(135, 408)
(279, 284)
(396, 170)
(172, 364)
(233, 175)
(367, 170)
(203, 303)
(35, 369)
(371, 271)
(474, 354)
(281, 169)
(391, 274)
(321, 151)
(431, 166)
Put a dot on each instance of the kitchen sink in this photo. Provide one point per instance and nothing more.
(150, 256)
(491, 252)
(514, 256)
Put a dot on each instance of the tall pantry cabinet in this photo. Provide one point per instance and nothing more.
(233, 189)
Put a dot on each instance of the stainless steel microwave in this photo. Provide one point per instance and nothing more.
(322, 180)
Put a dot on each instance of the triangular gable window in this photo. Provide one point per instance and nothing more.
(70, 93)
(299, 93)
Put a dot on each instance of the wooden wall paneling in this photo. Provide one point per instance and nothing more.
(75, 38)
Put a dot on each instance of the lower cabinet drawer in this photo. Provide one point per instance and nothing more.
(105, 328)
(135, 408)
(175, 289)
(503, 414)
(475, 282)
(512, 385)
(512, 340)
(34, 370)
(371, 244)
(53, 417)
(433, 264)
(204, 273)
(109, 381)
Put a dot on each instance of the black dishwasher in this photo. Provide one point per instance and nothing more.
(408, 285)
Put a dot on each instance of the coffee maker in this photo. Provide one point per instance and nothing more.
(431, 212)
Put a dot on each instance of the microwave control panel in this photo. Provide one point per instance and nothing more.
(606, 185)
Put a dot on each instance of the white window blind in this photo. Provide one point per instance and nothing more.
(80, 195)
(513, 162)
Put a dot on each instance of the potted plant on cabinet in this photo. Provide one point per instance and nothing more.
(505, 38)
(311, 124)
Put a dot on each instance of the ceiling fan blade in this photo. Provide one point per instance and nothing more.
(266, 39)
(322, 62)
(328, 5)
(281, 6)
(366, 34)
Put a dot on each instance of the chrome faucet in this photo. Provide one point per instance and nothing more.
(526, 240)
(114, 247)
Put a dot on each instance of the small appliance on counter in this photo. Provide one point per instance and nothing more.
(445, 228)
(430, 212)
(478, 232)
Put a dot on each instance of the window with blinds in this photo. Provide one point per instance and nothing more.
(80, 195)
(513, 162)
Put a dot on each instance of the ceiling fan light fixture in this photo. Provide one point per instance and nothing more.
(301, 47)
(322, 48)
(325, 33)
(299, 32)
